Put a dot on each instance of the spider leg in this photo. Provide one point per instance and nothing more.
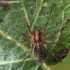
(18, 41)
(50, 51)
(28, 26)
(51, 34)
(60, 30)
(47, 41)
(30, 50)
(47, 20)
(16, 31)
(58, 43)
(26, 56)
(28, 41)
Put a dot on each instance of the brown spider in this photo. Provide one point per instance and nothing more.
(37, 39)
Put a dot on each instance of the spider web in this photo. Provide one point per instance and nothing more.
(36, 14)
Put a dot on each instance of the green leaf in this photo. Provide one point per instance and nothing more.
(36, 14)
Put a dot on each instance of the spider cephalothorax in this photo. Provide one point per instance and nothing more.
(37, 37)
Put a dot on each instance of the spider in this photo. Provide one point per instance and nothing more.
(37, 38)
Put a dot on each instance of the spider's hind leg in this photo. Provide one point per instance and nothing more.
(30, 50)
(50, 51)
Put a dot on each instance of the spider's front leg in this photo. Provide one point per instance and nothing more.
(23, 18)
(47, 20)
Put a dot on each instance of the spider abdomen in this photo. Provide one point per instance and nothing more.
(38, 52)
